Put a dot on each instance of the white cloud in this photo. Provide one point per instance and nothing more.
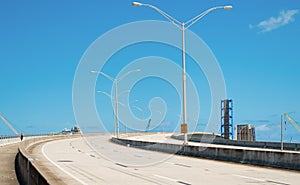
(262, 128)
(284, 18)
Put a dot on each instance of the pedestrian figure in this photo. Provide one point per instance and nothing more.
(21, 137)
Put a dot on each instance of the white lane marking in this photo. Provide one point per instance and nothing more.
(59, 167)
(170, 163)
(166, 178)
(252, 178)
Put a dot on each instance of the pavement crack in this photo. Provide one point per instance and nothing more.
(121, 165)
(85, 173)
(275, 182)
(183, 165)
(181, 182)
(137, 175)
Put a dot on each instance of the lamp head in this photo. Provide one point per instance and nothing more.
(228, 7)
(137, 4)
(94, 71)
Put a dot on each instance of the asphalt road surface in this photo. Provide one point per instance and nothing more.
(95, 160)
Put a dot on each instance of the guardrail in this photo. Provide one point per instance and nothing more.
(9, 136)
(10, 139)
(255, 144)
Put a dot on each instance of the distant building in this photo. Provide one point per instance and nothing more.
(66, 131)
(75, 130)
(245, 132)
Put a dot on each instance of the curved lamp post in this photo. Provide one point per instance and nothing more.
(183, 26)
(116, 81)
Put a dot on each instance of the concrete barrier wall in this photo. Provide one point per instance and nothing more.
(261, 157)
(271, 145)
(27, 171)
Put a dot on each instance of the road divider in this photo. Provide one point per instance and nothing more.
(245, 155)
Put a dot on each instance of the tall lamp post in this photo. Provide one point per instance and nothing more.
(112, 98)
(116, 82)
(124, 106)
(183, 26)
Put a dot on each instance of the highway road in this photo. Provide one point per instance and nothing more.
(95, 160)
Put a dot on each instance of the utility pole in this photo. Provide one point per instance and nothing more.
(281, 129)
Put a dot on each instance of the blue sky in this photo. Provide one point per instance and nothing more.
(42, 42)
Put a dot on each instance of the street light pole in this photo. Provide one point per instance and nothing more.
(115, 115)
(281, 133)
(184, 122)
(183, 26)
(117, 108)
(126, 91)
(116, 81)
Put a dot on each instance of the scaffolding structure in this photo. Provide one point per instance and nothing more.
(227, 119)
